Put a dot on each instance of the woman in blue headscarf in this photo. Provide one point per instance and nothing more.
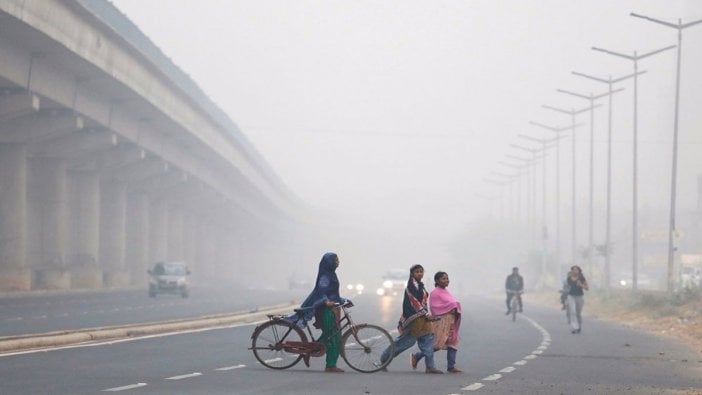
(323, 298)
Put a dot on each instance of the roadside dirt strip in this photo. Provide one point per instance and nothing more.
(63, 338)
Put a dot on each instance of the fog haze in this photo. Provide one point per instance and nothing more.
(386, 117)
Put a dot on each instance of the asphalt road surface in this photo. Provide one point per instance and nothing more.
(537, 354)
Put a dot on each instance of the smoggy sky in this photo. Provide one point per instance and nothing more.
(394, 112)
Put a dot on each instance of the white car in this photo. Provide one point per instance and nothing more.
(394, 283)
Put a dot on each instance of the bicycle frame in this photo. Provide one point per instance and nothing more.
(344, 322)
(280, 343)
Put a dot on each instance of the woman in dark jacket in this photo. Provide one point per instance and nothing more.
(413, 321)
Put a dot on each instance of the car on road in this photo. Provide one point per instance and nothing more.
(394, 282)
(169, 278)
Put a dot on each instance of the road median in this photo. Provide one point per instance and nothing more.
(18, 343)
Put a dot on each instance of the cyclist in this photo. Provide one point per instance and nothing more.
(323, 298)
(514, 285)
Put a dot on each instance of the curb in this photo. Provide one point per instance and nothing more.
(40, 341)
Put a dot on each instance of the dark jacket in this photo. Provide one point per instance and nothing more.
(514, 282)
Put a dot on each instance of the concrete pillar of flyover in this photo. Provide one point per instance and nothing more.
(84, 228)
(189, 238)
(113, 212)
(207, 271)
(14, 271)
(137, 249)
(48, 226)
(175, 234)
(158, 231)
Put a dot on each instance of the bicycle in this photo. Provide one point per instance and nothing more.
(280, 343)
(516, 302)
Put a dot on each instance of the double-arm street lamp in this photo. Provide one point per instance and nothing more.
(591, 98)
(574, 232)
(558, 131)
(673, 182)
(635, 204)
(610, 82)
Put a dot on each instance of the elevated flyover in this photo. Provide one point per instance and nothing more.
(111, 158)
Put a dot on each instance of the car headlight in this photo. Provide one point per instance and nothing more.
(359, 287)
(349, 287)
(387, 284)
(380, 291)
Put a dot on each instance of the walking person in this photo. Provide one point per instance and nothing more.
(415, 325)
(577, 284)
(323, 298)
(447, 309)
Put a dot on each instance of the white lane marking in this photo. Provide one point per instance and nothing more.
(274, 360)
(537, 352)
(124, 388)
(508, 369)
(530, 356)
(184, 376)
(521, 363)
(231, 367)
(116, 341)
(472, 387)
(492, 377)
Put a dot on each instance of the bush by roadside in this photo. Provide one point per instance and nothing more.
(678, 315)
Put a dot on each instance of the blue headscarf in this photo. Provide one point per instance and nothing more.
(326, 287)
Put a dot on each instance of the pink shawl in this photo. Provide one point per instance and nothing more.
(442, 302)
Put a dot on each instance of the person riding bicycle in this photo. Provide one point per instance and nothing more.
(323, 298)
(514, 285)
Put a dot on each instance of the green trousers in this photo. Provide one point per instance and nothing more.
(330, 337)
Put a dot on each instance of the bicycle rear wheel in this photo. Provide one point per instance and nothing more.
(268, 344)
(362, 346)
(515, 306)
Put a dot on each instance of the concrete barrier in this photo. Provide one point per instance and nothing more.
(19, 343)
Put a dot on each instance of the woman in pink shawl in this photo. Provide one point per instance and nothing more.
(446, 330)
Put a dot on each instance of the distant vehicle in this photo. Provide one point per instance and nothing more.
(394, 282)
(357, 289)
(169, 278)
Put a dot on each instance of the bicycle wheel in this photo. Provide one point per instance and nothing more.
(268, 344)
(515, 306)
(362, 346)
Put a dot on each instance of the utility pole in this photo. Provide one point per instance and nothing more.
(609, 81)
(574, 233)
(635, 203)
(673, 182)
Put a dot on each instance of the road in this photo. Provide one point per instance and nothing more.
(535, 355)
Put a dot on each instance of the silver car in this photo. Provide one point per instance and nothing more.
(169, 278)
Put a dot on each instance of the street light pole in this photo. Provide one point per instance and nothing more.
(609, 81)
(574, 233)
(635, 204)
(558, 131)
(533, 153)
(592, 99)
(544, 224)
(673, 182)
(511, 178)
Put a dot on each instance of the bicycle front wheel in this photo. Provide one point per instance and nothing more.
(268, 344)
(363, 345)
